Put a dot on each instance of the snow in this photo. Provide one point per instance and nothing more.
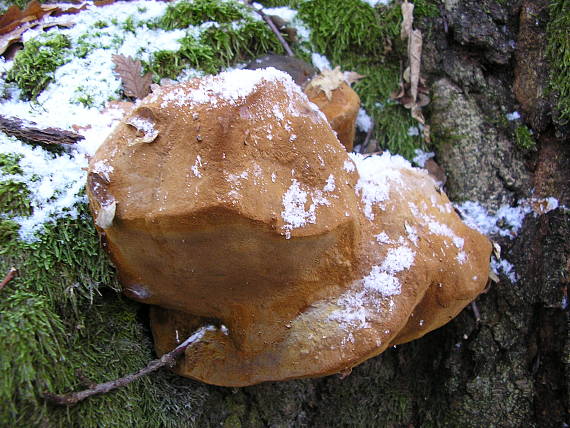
(377, 175)
(373, 3)
(348, 166)
(196, 167)
(413, 131)
(294, 213)
(285, 13)
(330, 186)
(382, 282)
(507, 221)
(363, 121)
(506, 268)
(422, 157)
(321, 62)
(54, 183)
(515, 115)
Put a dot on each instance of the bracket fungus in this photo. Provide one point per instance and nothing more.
(243, 209)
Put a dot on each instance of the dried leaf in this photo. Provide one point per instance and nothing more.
(134, 84)
(106, 215)
(15, 36)
(351, 77)
(415, 58)
(329, 80)
(408, 19)
(497, 250)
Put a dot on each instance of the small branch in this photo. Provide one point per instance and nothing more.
(102, 388)
(367, 139)
(26, 130)
(273, 28)
(9, 277)
(476, 312)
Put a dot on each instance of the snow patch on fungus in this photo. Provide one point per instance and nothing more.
(294, 213)
(228, 87)
(377, 175)
(381, 281)
(196, 167)
(329, 186)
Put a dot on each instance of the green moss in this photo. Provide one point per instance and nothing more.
(184, 14)
(524, 138)
(248, 40)
(62, 314)
(342, 27)
(218, 46)
(354, 36)
(34, 66)
(559, 54)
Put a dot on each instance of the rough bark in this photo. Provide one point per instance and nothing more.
(511, 368)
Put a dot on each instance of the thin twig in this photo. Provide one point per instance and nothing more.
(9, 277)
(273, 28)
(476, 312)
(28, 131)
(367, 139)
(102, 388)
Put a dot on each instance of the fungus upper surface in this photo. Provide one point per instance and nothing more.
(230, 198)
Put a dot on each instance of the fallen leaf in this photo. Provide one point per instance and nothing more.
(129, 70)
(412, 91)
(415, 58)
(408, 19)
(15, 36)
(497, 250)
(329, 80)
(351, 77)
(106, 215)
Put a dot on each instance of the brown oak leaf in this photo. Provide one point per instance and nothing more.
(130, 71)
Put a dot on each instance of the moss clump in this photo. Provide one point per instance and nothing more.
(250, 39)
(183, 14)
(366, 40)
(236, 37)
(559, 54)
(524, 138)
(34, 66)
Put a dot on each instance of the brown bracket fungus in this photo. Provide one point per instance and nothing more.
(338, 101)
(246, 211)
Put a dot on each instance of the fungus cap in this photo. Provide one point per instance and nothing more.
(235, 202)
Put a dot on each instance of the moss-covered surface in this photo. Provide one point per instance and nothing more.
(62, 318)
(34, 66)
(559, 54)
(524, 138)
(360, 38)
(237, 37)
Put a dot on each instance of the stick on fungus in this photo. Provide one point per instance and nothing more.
(242, 208)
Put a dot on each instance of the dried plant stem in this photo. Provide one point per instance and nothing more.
(102, 388)
(9, 277)
(273, 28)
(26, 130)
